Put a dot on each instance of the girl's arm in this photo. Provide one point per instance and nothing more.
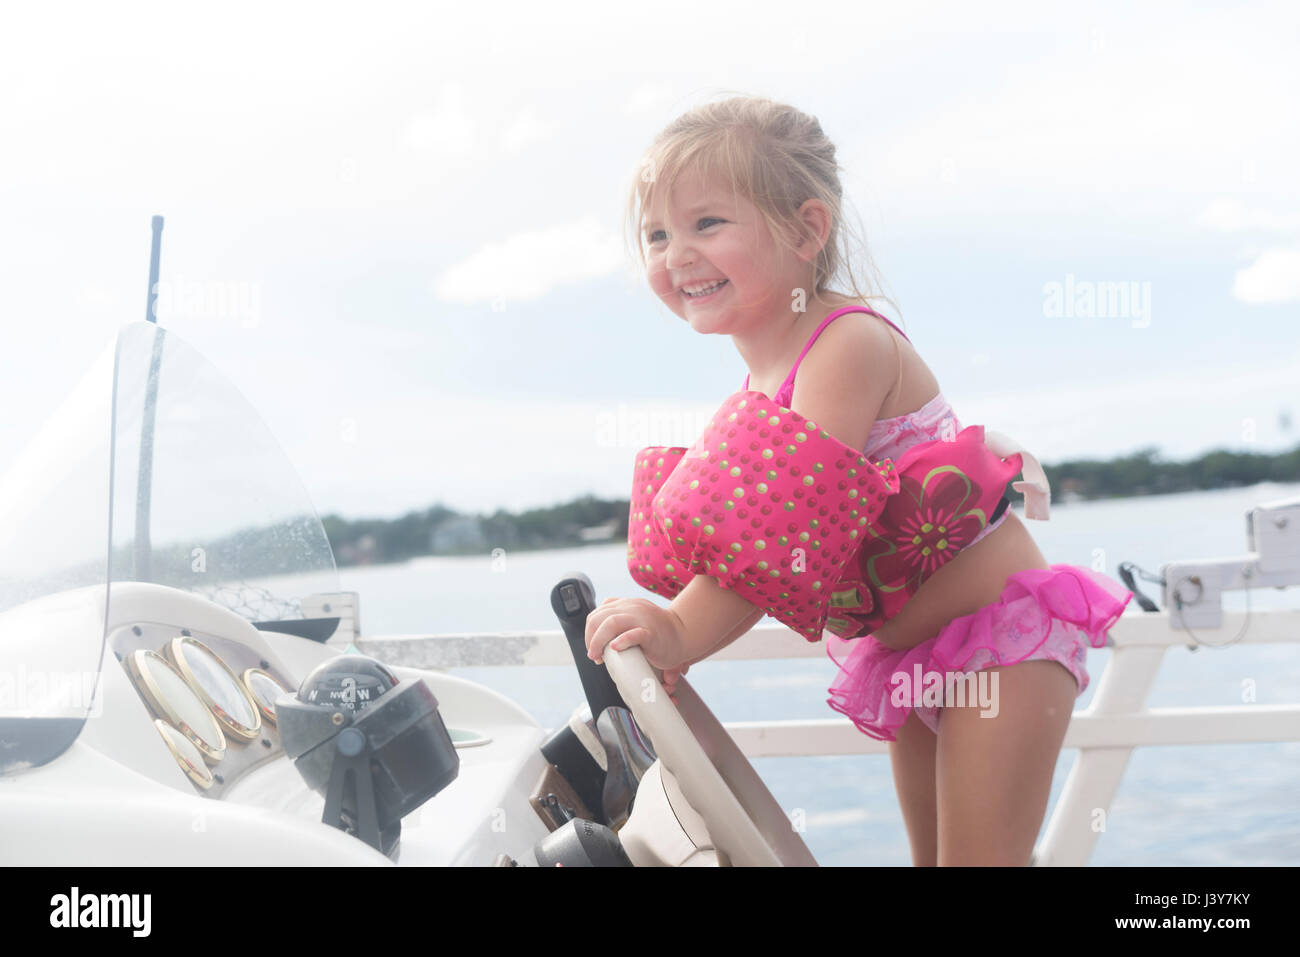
(751, 617)
(711, 616)
(743, 628)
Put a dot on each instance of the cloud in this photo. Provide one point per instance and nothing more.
(646, 97)
(444, 129)
(479, 452)
(529, 265)
(1081, 418)
(96, 296)
(1229, 216)
(1273, 277)
(1089, 114)
(525, 128)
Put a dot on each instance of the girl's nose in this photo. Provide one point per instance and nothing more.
(680, 254)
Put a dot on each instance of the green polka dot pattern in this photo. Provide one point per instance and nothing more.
(765, 502)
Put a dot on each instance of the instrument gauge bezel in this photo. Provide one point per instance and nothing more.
(174, 652)
(198, 773)
(268, 713)
(162, 707)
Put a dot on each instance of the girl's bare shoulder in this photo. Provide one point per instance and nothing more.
(846, 376)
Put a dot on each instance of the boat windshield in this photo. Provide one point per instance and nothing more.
(212, 504)
(155, 469)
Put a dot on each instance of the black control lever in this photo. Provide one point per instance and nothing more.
(573, 599)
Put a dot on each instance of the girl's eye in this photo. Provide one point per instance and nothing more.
(654, 236)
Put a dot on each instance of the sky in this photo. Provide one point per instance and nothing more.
(397, 229)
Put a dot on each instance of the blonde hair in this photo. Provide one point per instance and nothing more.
(775, 156)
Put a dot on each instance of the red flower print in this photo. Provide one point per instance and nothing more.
(924, 525)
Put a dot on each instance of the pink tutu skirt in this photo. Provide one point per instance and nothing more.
(1052, 614)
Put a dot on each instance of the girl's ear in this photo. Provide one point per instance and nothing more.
(815, 223)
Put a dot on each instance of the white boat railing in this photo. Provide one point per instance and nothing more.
(1106, 732)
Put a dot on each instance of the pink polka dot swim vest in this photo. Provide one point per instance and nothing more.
(802, 525)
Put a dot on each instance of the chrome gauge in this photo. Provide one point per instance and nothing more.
(186, 754)
(264, 690)
(217, 685)
(175, 702)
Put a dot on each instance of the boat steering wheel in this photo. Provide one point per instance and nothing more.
(747, 826)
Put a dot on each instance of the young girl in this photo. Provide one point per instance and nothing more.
(740, 215)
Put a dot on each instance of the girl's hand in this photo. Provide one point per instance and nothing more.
(670, 678)
(624, 622)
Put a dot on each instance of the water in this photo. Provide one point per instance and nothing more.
(1185, 805)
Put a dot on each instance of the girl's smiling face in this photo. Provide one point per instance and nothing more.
(710, 236)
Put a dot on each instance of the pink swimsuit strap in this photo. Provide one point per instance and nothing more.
(787, 386)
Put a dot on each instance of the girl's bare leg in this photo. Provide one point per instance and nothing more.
(994, 774)
(912, 756)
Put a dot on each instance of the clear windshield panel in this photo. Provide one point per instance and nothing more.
(204, 497)
(53, 564)
(154, 469)
(54, 496)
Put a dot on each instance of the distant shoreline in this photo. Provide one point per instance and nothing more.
(440, 531)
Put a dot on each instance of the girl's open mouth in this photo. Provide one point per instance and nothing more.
(708, 293)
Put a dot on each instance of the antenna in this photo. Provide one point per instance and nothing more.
(143, 549)
(155, 254)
